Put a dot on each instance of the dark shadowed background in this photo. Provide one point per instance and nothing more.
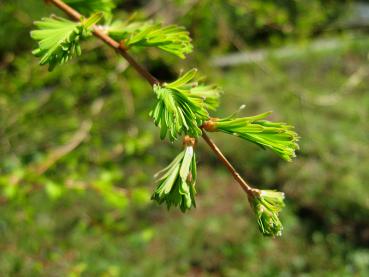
(78, 149)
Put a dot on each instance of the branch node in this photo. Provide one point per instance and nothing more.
(189, 141)
(122, 45)
(209, 125)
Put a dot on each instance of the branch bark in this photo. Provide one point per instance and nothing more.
(122, 50)
(248, 189)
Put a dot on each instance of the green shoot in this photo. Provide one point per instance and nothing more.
(177, 110)
(277, 136)
(176, 182)
(172, 39)
(59, 39)
(267, 204)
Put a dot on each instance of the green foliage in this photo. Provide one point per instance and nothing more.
(89, 7)
(177, 181)
(177, 110)
(267, 204)
(59, 39)
(256, 23)
(182, 105)
(172, 39)
(80, 232)
(209, 93)
(277, 136)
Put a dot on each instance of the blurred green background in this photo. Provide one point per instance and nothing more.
(78, 149)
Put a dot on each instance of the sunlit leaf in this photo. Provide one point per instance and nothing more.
(172, 39)
(178, 111)
(277, 136)
(176, 183)
(267, 204)
(59, 39)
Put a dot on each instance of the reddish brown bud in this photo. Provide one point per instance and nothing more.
(189, 141)
(209, 125)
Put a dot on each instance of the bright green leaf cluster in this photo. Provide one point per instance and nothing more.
(277, 136)
(89, 7)
(59, 39)
(172, 39)
(177, 181)
(267, 204)
(179, 111)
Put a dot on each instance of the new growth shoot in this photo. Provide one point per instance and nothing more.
(183, 107)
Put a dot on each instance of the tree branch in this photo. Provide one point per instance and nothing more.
(119, 47)
(248, 189)
(122, 50)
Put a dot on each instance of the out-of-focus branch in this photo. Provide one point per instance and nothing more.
(78, 137)
(61, 151)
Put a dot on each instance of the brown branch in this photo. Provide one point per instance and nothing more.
(122, 50)
(248, 189)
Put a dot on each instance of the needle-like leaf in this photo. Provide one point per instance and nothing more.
(178, 110)
(172, 39)
(59, 38)
(209, 93)
(177, 182)
(277, 136)
(267, 204)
